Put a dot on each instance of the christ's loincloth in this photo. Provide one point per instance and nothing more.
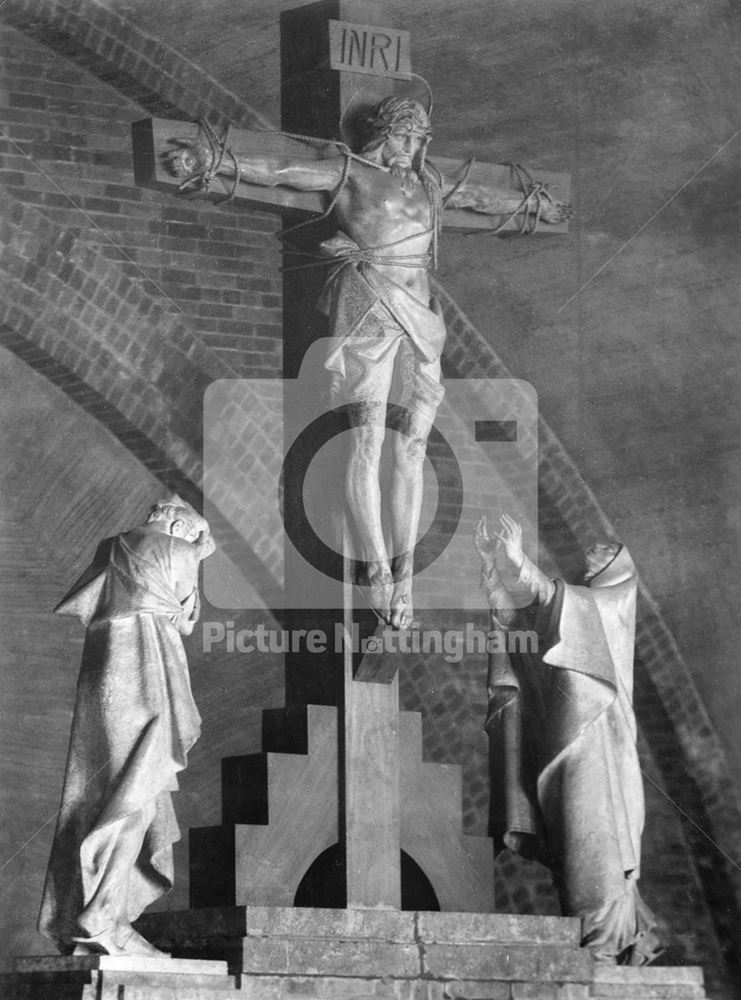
(387, 344)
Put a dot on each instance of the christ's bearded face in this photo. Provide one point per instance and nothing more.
(401, 147)
(399, 132)
(398, 153)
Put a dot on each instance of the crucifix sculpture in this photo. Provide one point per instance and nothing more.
(389, 201)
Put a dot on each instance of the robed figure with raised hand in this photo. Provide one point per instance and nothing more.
(566, 782)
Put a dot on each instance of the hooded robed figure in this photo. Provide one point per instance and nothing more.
(566, 782)
(134, 723)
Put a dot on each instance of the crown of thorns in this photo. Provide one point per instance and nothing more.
(397, 114)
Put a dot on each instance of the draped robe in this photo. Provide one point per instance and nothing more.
(566, 781)
(134, 722)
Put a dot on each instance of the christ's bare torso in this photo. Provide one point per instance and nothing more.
(376, 211)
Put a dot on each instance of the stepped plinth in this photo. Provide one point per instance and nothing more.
(297, 953)
(294, 951)
(109, 977)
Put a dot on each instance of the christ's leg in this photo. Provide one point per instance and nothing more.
(364, 387)
(412, 423)
(409, 447)
(363, 493)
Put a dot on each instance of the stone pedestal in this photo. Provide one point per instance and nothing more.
(303, 952)
(649, 983)
(297, 953)
(353, 954)
(106, 977)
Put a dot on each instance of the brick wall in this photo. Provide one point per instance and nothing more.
(66, 149)
(131, 299)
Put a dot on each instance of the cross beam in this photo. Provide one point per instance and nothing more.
(155, 137)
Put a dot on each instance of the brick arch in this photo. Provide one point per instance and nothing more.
(146, 70)
(71, 315)
(63, 296)
(165, 83)
(80, 304)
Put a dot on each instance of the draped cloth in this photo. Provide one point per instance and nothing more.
(134, 722)
(566, 781)
(363, 305)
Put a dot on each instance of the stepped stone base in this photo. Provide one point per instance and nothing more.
(654, 982)
(286, 953)
(293, 953)
(107, 977)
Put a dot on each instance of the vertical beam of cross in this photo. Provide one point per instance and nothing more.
(314, 95)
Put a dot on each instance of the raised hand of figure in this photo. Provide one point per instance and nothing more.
(510, 535)
(485, 545)
(205, 544)
(189, 605)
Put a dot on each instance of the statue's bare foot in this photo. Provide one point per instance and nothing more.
(138, 945)
(645, 950)
(554, 212)
(377, 585)
(117, 941)
(402, 612)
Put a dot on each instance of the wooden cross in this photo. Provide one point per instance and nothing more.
(326, 64)
(330, 54)
(154, 137)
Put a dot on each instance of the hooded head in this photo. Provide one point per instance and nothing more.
(176, 517)
(598, 557)
(617, 566)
